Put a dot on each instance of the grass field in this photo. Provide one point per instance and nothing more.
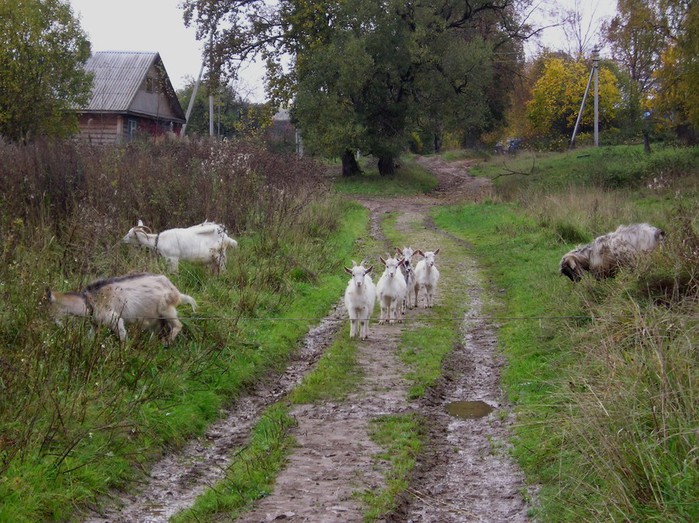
(604, 373)
(87, 414)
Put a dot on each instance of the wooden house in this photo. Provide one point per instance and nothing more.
(131, 97)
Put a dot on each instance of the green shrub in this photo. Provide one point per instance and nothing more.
(78, 410)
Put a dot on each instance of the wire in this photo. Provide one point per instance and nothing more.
(420, 319)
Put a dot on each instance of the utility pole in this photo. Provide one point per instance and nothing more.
(211, 113)
(593, 74)
(191, 101)
(595, 68)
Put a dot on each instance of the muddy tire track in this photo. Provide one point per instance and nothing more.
(177, 479)
(334, 456)
(465, 473)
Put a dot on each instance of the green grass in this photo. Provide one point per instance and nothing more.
(101, 426)
(605, 167)
(592, 366)
(335, 375)
(423, 347)
(409, 179)
(402, 438)
(426, 343)
(251, 475)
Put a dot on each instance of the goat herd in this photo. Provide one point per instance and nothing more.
(395, 289)
(151, 300)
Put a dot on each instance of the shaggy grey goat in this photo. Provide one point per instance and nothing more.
(606, 254)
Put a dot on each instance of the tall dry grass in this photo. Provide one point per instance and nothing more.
(626, 416)
(64, 208)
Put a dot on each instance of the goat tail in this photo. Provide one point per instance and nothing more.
(184, 298)
(230, 242)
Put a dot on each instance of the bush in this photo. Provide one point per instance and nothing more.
(73, 401)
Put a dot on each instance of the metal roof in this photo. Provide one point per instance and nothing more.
(118, 77)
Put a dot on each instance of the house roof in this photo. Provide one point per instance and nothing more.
(118, 75)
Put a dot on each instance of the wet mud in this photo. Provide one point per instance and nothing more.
(465, 473)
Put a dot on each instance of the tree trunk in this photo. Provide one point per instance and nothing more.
(438, 142)
(386, 165)
(350, 167)
(646, 141)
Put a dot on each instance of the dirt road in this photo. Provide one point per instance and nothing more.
(464, 475)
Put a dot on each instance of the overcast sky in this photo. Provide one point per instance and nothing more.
(157, 25)
(153, 25)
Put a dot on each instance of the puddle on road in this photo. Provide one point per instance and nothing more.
(469, 409)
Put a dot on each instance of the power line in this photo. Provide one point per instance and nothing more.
(402, 320)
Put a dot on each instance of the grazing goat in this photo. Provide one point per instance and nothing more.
(391, 290)
(409, 275)
(426, 276)
(360, 298)
(149, 300)
(606, 254)
(203, 243)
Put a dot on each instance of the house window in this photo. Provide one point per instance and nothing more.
(150, 84)
(132, 128)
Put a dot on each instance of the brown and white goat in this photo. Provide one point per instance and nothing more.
(606, 254)
(149, 300)
(409, 274)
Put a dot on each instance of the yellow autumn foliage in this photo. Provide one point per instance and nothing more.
(558, 93)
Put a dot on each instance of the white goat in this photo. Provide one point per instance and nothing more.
(391, 290)
(409, 275)
(360, 298)
(606, 254)
(203, 243)
(426, 276)
(149, 300)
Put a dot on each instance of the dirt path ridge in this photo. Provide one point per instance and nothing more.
(465, 473)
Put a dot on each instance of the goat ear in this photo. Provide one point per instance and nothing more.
(398, 251)
(49, 295)
(369, 269)
(437, 251)
(401, 262)
(382, 260)
(348, 271)
(419, 252)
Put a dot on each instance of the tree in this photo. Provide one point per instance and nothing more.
(636, 41)
(579, 33)
(361, 71)
(232, 115)
(42, 53)
(657, 42)
(677, 99)
(557, 94)
(389, 68)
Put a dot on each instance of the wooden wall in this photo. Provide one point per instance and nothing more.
(101, 129)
